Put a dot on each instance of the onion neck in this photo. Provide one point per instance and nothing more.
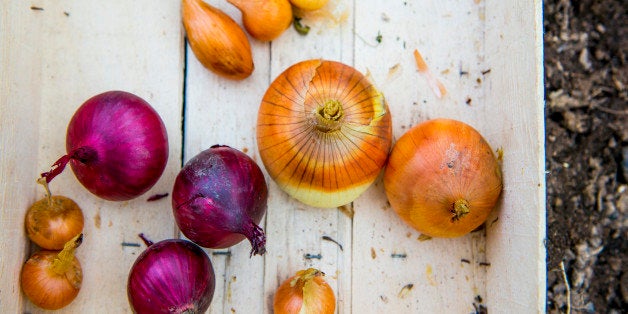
(84, 154)
(48, 196)
(64, 260)
(329, 116)
(256, 236)
(304, 276)
(460, 208)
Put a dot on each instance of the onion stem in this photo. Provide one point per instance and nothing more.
(64, 259)
(43, 182)
(83, 154)
(328, 116)
(460, 209)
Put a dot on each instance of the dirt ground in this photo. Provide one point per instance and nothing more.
(586, 73)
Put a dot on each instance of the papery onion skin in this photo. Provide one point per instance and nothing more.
(219, 198)
(443, 178)
(305, 293)
(265, 20)
(117, 146)
(171, 276)
(51, 222)
(52, 279)
(324, 132)
(217, 41)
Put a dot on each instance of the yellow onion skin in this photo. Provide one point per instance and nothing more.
(309, 5)
(305, 293)
(442, 178)
(265, 20)
(324, 132)
(217, 41)
(52, 279)
(50, 223)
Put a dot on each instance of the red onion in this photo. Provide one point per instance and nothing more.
(219, 197)
(117, 146)
(171, 276)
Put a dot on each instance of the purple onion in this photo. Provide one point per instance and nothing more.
(219, 198)
(117, 146)
(171, 276)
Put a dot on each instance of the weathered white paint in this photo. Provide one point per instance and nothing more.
(52, 61)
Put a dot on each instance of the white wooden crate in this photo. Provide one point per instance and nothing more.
(52, 60)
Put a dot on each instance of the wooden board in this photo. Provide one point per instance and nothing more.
(487, 53)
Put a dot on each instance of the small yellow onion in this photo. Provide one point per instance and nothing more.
(265, 20)
(217, 41)
(309, 5)
(324, 132)
(305, 293)
(52, 279)
(442, 178)
(53, 220)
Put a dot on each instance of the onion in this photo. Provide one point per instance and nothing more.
(217, 41)
(52, 279)
(324, 132)
(171, 276)
(219, 198)
(305, 292)
(117, 146)
(53, 220)
(265, 20)
(442, 178)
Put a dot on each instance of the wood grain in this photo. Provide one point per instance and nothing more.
(487, 54)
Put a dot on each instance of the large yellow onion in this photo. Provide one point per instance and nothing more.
(324, 132)
(443, 178)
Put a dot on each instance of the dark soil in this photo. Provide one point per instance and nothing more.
(586, 73)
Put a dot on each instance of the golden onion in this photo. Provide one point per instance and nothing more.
(265, 20)
(305, 293)
(324, 132)
(217, 41)
(443, 178)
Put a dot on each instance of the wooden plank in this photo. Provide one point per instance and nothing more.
(20, 73)
(487, 53)
(88, 47)
(295, 229)
(446, 274)
(223, 111)
(517, 279)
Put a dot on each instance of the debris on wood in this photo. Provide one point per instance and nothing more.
(437, 87)
(312, 256)
(131, 244)
(398, 255)
(405, 290)
(378, 38)
(328, 238)
(424, 237)
(157, 197)
(347, 210)
(479, 307)
(226, 253)
(300, 28)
